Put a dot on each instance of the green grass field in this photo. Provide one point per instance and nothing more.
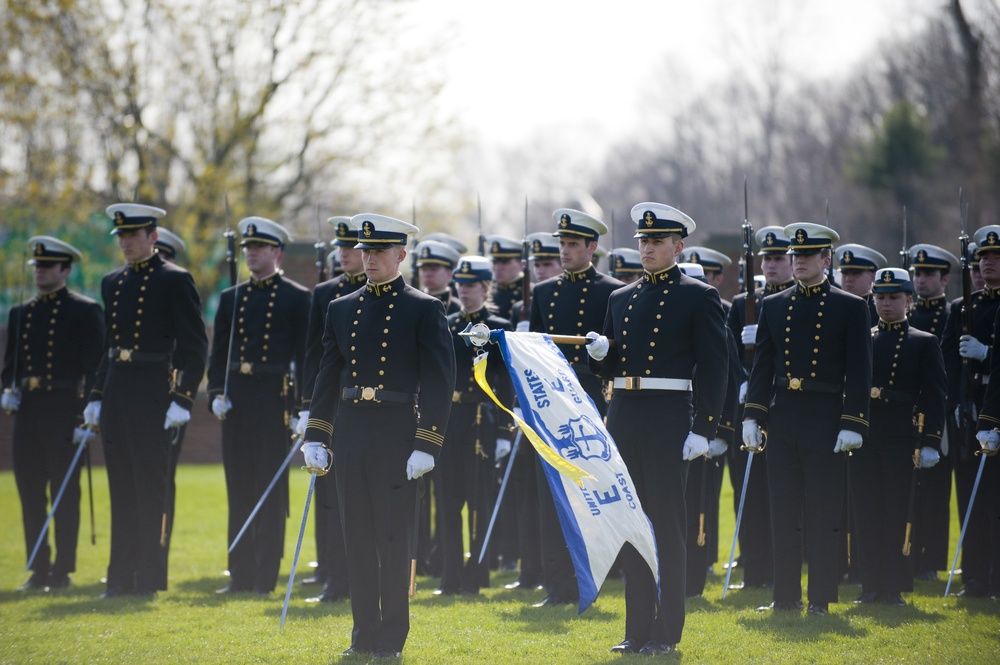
(191, 624)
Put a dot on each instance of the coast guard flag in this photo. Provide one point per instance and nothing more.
(595, 499)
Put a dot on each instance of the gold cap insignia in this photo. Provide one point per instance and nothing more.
(649, 218)
(801, 236)
(564, 221)
(367, 228)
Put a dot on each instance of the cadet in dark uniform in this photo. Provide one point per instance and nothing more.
(271, 320)
(809, 389)
(477, 437)
(152, 313)
(981, 548)
(387, 351)
(907, 413)
(508, 273)
(931, 273)
(569, 304)
(625, 265)
(857, 265)
(168, 245)
(755, 528)
(330, 552)
(435, 261)
(54, 345)
(663, 327)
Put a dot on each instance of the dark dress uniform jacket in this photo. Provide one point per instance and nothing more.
(505, 295)
(908, 379)
(270, 334)
(930, 315)
(322, 296)
(152, 314)
(664, 326)
(57, 338)
(811, 378)
(387, 343)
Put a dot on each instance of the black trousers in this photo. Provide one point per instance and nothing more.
(755, 526)
(522, 490)
(652, 451)
(330, 552)
(930, 537)
(981, 547)
(43, 449)
(255, 441)
(881, 472)
(371, 445)
(701, 499)
(465, 477)
(136, 451)
(806, 482)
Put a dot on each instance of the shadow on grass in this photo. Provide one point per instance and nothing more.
(799, 626)
(86, 599)
(894, 617)
(553, 619)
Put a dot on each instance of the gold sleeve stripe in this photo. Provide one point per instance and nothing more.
(857, 420)
(759, 407)
(428, 435)
(321, 425)
(983, 416)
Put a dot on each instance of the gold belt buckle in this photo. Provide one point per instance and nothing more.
(246, 368)
(633, 382)
(125, 355)
(795, 384)
(34, 382)
(876, 393)
(368, 394)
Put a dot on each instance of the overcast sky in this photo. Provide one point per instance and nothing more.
(521, 67)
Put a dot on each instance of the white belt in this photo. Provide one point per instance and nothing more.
(651, 383)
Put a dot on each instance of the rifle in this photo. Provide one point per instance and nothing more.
(904, 254)
(826, 223)
(748, 283)
(230, 236)
(526, 275)
(967, 384)
(320, 252)
(414, 271)
(15, 388)
(481, 250)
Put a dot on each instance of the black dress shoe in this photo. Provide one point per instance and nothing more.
(36, 581)
(627, 646)
(781, 607)
(232, 587)
(59, 581)
(892, 599)
(927, 576)
(818, 609)
(330, 596)
(114, 592)
(312, 579)
(468, 592)
(556, 600)
(446, 592)
(974, 589)
(386, 653)
(354, 651)
(652, 648)
(866, 598)
(523, 585)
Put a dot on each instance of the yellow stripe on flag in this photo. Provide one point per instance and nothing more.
(568, 469)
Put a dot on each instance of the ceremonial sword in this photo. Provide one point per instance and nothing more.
(739, 518)
(965, 522)
(270, 486)
(503, 488)
(313, 473)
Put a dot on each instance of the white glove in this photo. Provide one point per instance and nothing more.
(847, 440)
(989, 439)
(81, 434)
(958, 414)
(970, 347)
(695, 445)
(11, 400)
(743, 392)
(92, 413)
(418, 464)
(315, 455)
(752, 437)
(928, 457)
(749, 334)
(221, 406)
(503, 449)
(300, 423)
(177, 415)
(598, 349)
(717, 447)
(523, 326)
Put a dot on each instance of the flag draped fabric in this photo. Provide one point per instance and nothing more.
(594, 496)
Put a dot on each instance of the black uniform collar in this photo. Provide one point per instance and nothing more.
(931, 303)
(355, 279)
(777, 288)
(151, 262)
(667, 274)
(267, 281)
(886, 326)
(583, 275)
(52, 296)
(992, 294)
(385, 288)
(478, 315)
(510, 286)
(815, 289)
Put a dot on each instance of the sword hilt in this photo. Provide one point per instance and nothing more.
(906, 539)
